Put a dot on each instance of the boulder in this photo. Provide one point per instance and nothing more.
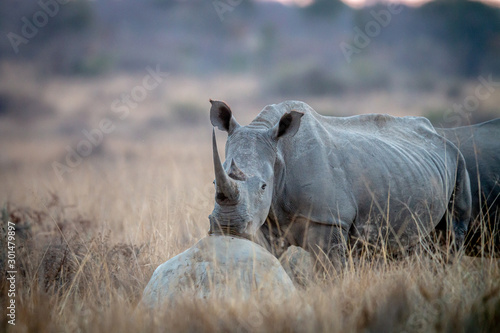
(221, 267)
(299, 265)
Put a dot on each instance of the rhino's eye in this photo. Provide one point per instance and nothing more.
(263, 187)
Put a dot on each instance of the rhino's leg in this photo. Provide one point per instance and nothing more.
(460, 205)
(271, 238)
(328, 244)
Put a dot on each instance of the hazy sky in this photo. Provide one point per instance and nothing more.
(360, 3)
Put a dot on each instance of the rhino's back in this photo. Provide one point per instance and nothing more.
(382, 126)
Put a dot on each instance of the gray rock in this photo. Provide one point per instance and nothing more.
(220, 267)
(298, 264)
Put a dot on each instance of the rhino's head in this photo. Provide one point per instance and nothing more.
(244, 183)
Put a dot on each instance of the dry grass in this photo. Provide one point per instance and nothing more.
(86, 248)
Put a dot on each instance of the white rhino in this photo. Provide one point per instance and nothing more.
(325, 182)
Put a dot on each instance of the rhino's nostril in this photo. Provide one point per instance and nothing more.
(220, 196)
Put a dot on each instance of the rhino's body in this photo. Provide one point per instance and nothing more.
(480, 146)
(376, 178)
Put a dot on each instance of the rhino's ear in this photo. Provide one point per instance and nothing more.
(288, 125)
(222, 117)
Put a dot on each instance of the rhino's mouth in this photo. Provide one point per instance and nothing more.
(228, 232)
(238, 230)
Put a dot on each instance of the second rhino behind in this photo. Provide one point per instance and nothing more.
(480, 146)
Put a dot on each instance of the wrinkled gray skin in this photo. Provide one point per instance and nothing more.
(321, 182)
(480, 146)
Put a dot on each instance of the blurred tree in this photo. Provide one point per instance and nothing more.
(325, 8)
(165, 3)
(468, 28)
(268, 41)
(74, 16)
(60, 34)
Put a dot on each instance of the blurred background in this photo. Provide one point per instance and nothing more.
(129, 73)
(105, 141)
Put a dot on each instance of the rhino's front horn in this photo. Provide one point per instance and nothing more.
(227, 189)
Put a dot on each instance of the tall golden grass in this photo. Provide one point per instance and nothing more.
(87, 246)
